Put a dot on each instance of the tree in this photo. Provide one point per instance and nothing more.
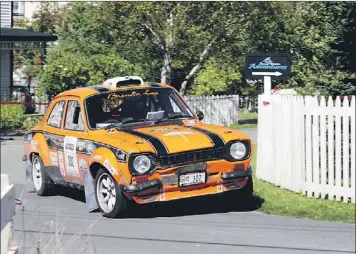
(69, 68)
(200, 46)
(215, 78)
(47, 18)
(311, 33)
(175, 44)
(189, 32)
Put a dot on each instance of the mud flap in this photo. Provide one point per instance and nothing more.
(89, 190)
(29, 181)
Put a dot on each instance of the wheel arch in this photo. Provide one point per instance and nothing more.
(94, 169)
(33, 154)
(39, 147)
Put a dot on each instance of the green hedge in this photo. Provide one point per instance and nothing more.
(30, 122)
(12, 117)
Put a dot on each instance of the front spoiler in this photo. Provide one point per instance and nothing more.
(153, 191)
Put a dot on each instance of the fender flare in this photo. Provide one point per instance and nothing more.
(104, 157)
(39, 146)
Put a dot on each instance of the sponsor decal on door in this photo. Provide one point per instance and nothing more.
(54, 158)
(70, 154)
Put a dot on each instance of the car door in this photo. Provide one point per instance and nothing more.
(75, 158)
(54, 138)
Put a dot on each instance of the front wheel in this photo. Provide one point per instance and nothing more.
(108, 195)
(41, 181)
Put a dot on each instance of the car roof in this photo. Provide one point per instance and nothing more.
(83, 92)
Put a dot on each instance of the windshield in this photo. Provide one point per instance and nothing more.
(130, 106)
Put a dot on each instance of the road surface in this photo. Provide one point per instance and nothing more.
(191, 226)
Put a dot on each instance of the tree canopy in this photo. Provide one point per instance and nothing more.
(199, 47)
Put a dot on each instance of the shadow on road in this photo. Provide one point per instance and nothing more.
(184, 207)
(72, 193)
(195, 206)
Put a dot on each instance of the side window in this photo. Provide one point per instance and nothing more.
(74, 119)
(55, 118)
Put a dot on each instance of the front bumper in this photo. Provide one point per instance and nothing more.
(155, 191)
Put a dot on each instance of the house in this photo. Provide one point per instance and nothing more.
(12, 39)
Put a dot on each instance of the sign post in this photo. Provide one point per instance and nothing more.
(267, 85)
(276, 66)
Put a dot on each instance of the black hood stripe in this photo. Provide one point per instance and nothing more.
(156, 143)
(218, 141)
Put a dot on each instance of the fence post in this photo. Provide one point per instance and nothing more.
(323, 146)
(353, 148)
(7, 213)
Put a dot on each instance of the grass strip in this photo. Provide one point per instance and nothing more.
(244, 126)
(284, 202)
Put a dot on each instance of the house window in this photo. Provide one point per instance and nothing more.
(18, 8)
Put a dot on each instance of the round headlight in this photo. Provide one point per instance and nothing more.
(142, 164)
(238, 150)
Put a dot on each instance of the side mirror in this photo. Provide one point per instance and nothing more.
(76, 115)
(200, 115)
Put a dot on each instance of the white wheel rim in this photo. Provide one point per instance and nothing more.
(36, 174)
(106, 192)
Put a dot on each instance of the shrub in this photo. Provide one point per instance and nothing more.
(31, 122)
(12, 116)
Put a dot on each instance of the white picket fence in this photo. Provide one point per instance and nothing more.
(307, 145)
(219, 110)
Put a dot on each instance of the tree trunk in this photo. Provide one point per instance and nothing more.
(166, 72)
(196, 67)
(166, 69)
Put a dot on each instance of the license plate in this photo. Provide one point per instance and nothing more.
(191, 179)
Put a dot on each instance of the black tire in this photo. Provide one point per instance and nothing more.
(47, 186)
(120, 205)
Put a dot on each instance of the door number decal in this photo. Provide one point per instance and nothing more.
(70, 154)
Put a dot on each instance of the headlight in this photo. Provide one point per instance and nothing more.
(142, 164)
(238, 150)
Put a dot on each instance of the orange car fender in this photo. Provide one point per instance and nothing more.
(106, 158)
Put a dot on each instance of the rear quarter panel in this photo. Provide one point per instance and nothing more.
(35, 142)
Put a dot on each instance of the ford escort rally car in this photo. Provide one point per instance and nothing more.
(130, 141)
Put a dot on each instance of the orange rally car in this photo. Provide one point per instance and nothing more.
(129, 140)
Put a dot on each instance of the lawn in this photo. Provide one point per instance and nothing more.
(245, 114)
(244, 126)
(283, 202)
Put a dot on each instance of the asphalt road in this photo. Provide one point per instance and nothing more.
(191, 226)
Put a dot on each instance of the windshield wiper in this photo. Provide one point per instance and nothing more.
(173, 117)
(133, 121)
(115, 125)
(110, 126)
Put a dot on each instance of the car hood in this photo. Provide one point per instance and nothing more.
(171, 139)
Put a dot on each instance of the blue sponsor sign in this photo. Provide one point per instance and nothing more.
(276, 65)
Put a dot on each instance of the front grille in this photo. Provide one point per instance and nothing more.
(189, 157)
